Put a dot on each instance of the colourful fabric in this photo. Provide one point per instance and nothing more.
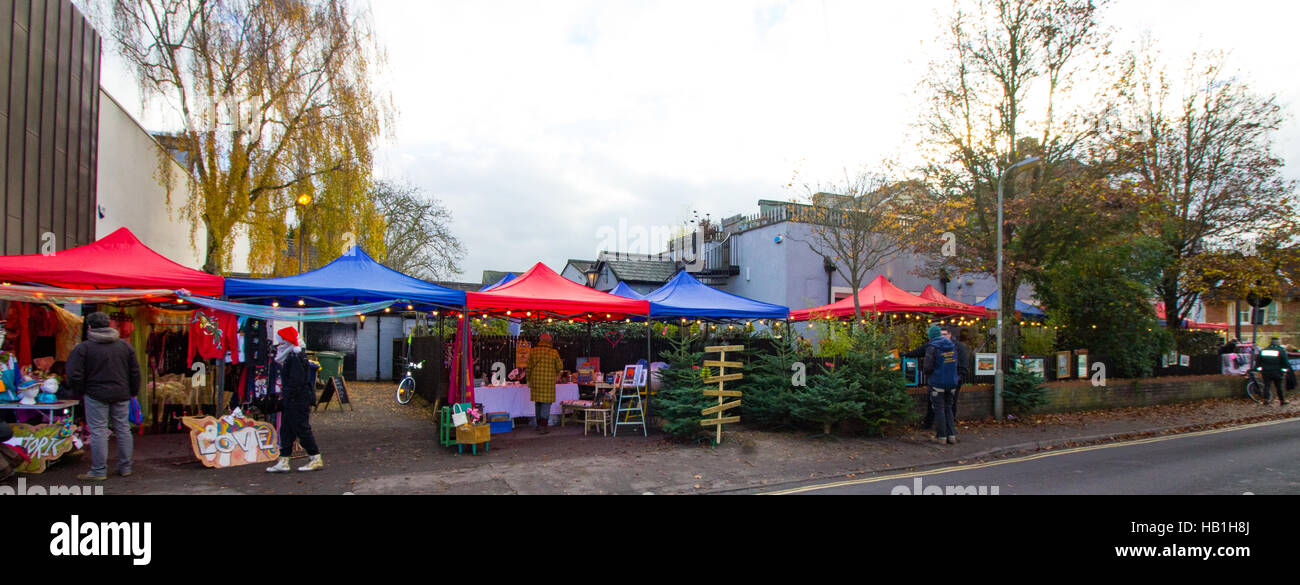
(462, 370)
(544, 367)
(69, 334)
(18, 331)
(212, 334)
(287, 314)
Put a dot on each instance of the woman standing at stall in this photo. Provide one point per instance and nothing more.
(298, 396)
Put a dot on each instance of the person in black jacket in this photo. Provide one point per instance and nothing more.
(104, 370)
(298, 395)
(965, 362)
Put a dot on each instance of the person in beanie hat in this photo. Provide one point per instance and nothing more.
(544, 367)
(940, 367)
(103, 369)
(297, 396)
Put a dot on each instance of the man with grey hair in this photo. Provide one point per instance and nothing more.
(104, 370)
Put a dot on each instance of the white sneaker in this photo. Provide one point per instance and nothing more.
(281, 466)
(313, 464)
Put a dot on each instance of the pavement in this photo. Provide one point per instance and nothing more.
(381, 447)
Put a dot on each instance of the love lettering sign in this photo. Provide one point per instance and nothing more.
(232, 440)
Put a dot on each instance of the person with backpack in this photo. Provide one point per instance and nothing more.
(298, 394)
(940, 366)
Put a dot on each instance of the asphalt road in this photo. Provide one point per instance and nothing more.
(1257, 459)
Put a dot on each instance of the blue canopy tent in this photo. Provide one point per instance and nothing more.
(683, 296)
(623, 290)
(352, 278)
(504, 279)
(1026, 309)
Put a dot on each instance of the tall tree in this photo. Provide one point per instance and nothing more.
(273, 100)
(1199, 154)
(417, 235)
(855, 226)
(997, 96)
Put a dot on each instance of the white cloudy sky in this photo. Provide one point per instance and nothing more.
(539, 122)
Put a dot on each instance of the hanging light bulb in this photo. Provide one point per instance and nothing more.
(507, 312)
(435, 313)
(275, 303)
(410, 308)
(388, 309)
(301, 302)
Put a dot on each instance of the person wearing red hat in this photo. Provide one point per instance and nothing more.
(298, 396)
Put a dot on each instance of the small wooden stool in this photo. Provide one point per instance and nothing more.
(596, 417)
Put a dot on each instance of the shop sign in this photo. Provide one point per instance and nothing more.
(232, 440)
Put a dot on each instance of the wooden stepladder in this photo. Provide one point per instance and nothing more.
(722, 393)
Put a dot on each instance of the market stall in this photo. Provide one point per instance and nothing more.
(933, 295)
(1025, 309)
(625, 291)
(117, 275)
(350, 279)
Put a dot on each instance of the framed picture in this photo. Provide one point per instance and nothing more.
(631, 374)
(642, 373)
(894, 364)
(1081, 359)
(1062, 365)
(986, 364)
(1029, 364)
(1185, 360)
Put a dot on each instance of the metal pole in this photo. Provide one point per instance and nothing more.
(1002, 301)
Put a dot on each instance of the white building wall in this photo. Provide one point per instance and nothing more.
(375, 347)
(130, 194)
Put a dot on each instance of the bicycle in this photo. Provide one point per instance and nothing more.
(406, 388)
(1255, 388)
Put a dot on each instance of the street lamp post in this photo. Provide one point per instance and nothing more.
(303, 201)
(1002, 301)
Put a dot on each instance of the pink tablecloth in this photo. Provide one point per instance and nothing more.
(514, 399)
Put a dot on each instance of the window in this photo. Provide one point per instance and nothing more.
(1272, 313)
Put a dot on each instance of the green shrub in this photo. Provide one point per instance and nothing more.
(680, 396)
(1023, 391)
(1037, 340)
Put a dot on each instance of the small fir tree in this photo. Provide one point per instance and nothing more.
(681, 396)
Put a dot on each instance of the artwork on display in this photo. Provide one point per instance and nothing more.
(1032, 365)
(1170, 359)
(912, 371)
(1081, 361)
(894, 363)
(1062, 365)
(633, 376)
(44, 443)
(1184, 360)
(232, 440)
(986, 364)
(522, 351)
(587, 368)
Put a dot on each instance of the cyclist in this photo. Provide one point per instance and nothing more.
(1273, 365)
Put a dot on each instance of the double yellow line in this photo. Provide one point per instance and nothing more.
(813, 488)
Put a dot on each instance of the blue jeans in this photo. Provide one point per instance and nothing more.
(98, 416)
(543, 411)
(943, 402)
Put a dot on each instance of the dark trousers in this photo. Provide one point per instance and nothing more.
(941, 403)
(1281, 388)
(929, 410)
(296, 425)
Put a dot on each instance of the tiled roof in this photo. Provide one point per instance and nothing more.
(582, 265)
(657, 272)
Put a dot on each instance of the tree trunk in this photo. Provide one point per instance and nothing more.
(1169, 295)
(1010, 324)
(212, 256)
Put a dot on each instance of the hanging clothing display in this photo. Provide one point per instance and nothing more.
(17, 331)
(256, 356)
(212, 334)
(69, 334)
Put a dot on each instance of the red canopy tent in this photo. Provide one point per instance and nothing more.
(542, 291)
(881, 296)
(933, 295)
(117, 261)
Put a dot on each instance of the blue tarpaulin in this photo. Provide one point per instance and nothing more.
(623, 290)
(353, 278)
(683, 296)
(504, 279)
(991, 303)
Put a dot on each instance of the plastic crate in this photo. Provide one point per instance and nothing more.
(498, 416)
(502, 426)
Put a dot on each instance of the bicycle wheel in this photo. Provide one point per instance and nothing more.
(405, 390)
(1255, 390)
